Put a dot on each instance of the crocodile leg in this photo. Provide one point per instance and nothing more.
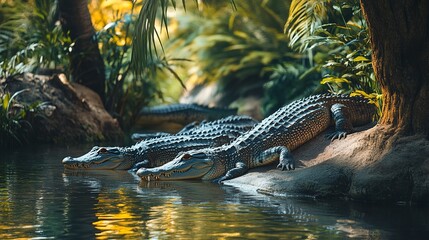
(343, 126)
(240, 169)
(286, 160)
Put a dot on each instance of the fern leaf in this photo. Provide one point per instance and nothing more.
(304, 18)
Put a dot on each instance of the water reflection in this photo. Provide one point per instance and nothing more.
(39, 199)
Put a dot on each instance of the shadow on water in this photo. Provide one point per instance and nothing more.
(39, 199)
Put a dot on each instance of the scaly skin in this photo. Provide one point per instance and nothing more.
(181, 114)
(271, 140)
(236, 122)
(156, 151)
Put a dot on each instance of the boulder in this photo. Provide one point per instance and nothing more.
(71, 113)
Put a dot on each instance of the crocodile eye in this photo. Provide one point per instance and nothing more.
(102, 150)
(186, 156)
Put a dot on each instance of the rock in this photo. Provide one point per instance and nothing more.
(72, 114)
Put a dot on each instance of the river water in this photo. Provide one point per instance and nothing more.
(40, 200)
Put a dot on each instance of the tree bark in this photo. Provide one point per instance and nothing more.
(399, 33)
(87, 66)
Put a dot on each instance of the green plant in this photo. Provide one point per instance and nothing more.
(147, 43)
(31, 37)
(126, 90)
(304, 17)
(242, 49)
(115, 49)
(342, 45)
(288, 81)
(14, 128)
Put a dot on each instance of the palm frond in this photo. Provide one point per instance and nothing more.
(304, 17)
(144, 37)
(147, 35)
(268, 14)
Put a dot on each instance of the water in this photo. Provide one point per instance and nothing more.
(40, 200)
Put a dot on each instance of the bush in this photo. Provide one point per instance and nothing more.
(337, 31)
(31, 37)
(15, 118)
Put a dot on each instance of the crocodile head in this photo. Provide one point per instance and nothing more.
(101, 158)
(194, 164)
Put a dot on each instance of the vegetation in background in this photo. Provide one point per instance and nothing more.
(31, 40)
(243, 49)
(337, 31)
(126, 91)
(31, 37)
(113, 22)
(287, 82)
(240, 45)
(15, 118)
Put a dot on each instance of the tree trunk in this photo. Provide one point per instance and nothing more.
(87, 66)
(399, 32)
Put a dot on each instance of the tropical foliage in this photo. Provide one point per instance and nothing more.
(337, 31)
(126, 90)
(242, 48)
(113, 22)
(30, 40)
(15, 118)
(240, 45)
(31, 37)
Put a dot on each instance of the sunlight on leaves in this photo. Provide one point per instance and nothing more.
(360, 59)
(335, 80)
(104, 12)
(304, 17)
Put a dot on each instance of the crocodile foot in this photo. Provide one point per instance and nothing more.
(287, 163)
(240, 169)
(336, 135)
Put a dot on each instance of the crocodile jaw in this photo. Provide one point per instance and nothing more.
(178, 169)
(106, 164)
(94, 160)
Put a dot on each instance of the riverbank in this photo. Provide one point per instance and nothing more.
(396, 171)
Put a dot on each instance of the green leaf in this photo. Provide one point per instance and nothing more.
(334, 80)
(258, 56)
(6, 99)
(14, 96)
(360, 58)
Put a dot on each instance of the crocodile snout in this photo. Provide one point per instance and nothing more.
(67, 160)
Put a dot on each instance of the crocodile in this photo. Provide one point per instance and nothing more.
(147, 135)
(171, 117)
(240, 121)
(271, 140)
(156, 151)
